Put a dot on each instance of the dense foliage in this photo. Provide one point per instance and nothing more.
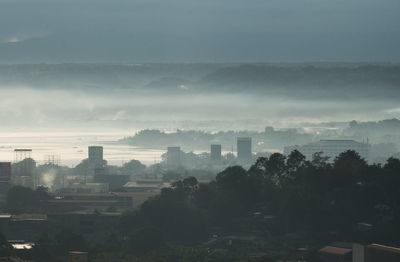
(24, 200)
(328, 201)
(316, 196)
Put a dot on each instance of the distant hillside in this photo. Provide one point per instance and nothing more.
(384, 137)
(305, 80)
(309, 80)
(192, 140)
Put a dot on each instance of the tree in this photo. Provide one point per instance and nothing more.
(393, 165)
(68, 240)
(349, 168)
(205, 195)
(133, 167)
(319, 161)
(5, 248)
(44, 249)
(391, 180)
(232, 179)
(295, 160)
(42, 193)
(21, 198)
(145, 240)
(237, 192)
(82, 167)
(275, 167)
(190, 183)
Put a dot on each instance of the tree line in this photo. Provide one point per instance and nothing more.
(318, 197)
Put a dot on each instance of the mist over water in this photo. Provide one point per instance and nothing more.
(71, 147)
(101, 110)
(63, 108)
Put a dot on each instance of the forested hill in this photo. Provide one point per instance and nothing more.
(337, 78)
(201, 140)
(301, 77)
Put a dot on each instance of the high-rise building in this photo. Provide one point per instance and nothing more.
(96, 156)
(244, 153)
(173, 156)
(330, 148)
(95, 162)
(215, 152)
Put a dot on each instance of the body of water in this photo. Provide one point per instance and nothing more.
(71, 148)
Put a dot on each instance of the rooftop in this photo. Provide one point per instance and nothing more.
(147, 185)
(335, 250)
(385, 248)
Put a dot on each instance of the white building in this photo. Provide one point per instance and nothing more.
(330, 148)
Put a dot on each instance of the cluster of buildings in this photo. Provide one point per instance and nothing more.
(96, 179)
(330, 148)
(244, 153)
(76, 205)
(21, 173)
(93, 191)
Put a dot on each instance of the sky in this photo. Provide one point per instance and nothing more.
(57, 31)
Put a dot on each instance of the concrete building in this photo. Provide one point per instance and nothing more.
(244, 153)
(95, 156)
(358, 253)
(25, 181)
(330, 148)
(146, 186)
(173, 156)
(377, 253)
(87, 188)
(95, 161)
(215, 154)
(336, 252)
(114, 181)
(62, 202)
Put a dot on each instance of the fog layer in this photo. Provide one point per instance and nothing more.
(208, 97)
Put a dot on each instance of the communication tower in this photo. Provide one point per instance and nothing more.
(21, 154)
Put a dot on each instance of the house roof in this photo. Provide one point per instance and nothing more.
(335, 250)
(385, 248)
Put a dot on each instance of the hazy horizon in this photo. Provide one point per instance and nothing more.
(96, 67)
(194, 96)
